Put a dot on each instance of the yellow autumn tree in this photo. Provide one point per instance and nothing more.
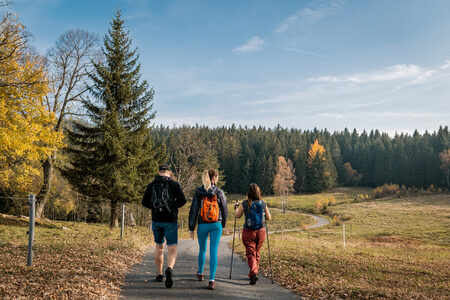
(26, 135)
(316, 150)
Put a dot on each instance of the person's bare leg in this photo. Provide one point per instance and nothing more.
(159, 258)
(171, 256)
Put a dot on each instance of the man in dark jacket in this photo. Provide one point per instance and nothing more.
(164, 196)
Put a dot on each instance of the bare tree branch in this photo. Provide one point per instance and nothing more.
(71, 62)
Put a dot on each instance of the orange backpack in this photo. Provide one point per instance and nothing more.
(209, 210)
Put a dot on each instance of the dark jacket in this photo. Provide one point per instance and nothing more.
(176, 196)
(194, 212)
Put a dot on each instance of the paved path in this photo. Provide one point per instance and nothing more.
(320, 222)
(140, 282)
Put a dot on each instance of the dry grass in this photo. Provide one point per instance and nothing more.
(306, 202)
(396, 249)
(82, 261)
(423, 218)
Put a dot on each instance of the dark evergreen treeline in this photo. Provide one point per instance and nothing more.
(249, 155)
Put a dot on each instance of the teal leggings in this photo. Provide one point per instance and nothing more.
(215, 232)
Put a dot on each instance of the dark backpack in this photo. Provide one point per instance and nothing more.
(160, 197)
(254, 215)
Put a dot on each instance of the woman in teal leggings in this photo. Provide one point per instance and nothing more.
(209, 210)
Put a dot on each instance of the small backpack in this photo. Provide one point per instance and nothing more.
(160, 197)
(209, 209)
(255, 215)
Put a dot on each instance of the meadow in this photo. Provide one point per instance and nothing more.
(395, 248)
(306, 202)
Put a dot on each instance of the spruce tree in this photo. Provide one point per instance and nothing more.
(112, 155)
(300, 162)
(320, 172)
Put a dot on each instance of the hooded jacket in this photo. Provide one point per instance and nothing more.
(177, 200)
(194, 212)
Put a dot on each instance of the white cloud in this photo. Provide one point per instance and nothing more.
(390, 73)
(311, 15)
(429, 76)
(301, 103)
(253, 45)
(446, 65)
(287, 23)
(420, 79)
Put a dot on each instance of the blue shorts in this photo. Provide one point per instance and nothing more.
(167, 230)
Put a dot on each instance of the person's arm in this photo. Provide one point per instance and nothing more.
(193, 213)
(240, 211)
(267, 212)
(146, 199)
(180, 199)
(224, 208)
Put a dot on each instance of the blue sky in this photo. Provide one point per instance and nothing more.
(326, 64)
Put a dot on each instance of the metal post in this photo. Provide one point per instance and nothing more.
(343, 232)
(123, 221)
(32, 202)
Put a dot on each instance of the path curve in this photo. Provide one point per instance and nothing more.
(321, 221)
(140, 282)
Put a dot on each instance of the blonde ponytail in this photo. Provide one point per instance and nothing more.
(206, 180)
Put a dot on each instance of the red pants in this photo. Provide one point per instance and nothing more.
(253, 240)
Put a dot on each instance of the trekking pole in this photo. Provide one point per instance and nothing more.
(268, 246)
(232, 251)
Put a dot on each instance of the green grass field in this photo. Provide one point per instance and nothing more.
(395, 248)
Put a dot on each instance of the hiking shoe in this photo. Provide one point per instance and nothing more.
(254, 279)
(200, 277)
(169, 281)
(159, 278)
(211, 285)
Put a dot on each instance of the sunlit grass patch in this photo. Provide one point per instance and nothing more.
(395, 249)
(307, 202)
(318, 267)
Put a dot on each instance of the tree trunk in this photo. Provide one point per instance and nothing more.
(114, 219)
(44, 193)
(448, 178)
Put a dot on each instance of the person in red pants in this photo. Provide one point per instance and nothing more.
(254, 233)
